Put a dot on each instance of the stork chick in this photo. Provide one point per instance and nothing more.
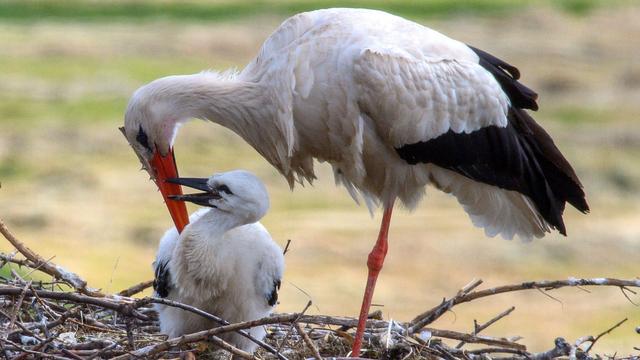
(224, 262)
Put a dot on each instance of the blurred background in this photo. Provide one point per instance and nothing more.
(71, 188)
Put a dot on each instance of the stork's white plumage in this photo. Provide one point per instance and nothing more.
(392, 105)
(224, 262)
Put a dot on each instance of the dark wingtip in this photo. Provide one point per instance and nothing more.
(580, 204)
(507, 76)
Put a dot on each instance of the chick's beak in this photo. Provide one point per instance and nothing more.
(198, 198)
(164, 168)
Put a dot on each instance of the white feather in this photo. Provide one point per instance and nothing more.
(347, 86)
(223, 266)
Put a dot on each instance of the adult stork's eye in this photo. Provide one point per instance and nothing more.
(143, 139)
(224, 188)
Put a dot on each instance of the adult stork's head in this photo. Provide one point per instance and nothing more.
(150, 125)
(238, 193)
(156, 110)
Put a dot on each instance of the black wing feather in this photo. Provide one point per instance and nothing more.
(520, 157)
(162, 280)
(507, 76)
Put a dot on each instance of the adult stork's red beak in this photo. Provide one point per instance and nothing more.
(165, 168)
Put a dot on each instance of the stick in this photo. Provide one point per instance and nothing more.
(148, 351)
(286, 247)
(232, 349)
(20, 262)
(605, 333)
(429, 316)
(286, 337)
(307, 340)
(561, 348)
(120, 307)
(477, 328)
(14, 315)
(137, 288)
(27, 351)
(478, 339)
(219, 320)
(47, 267)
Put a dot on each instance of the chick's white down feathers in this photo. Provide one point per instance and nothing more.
(224, 262)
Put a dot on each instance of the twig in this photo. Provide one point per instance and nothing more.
(129, 330)
(27, 351)
(148, 351)
(232, 349)
(431, 315)
(576, 346)
(100, 352)
(478, 328)
(561, 348)
(137, 288)
(308, 341)
(478, 339)
(623, 289)
(219, 320)
(605, 333)
(286, 247)
(120, 307)
(20, 262)
(70, 354)
(18, 305)
(54, 270)
(286, 337)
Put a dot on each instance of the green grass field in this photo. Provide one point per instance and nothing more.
(71, 186)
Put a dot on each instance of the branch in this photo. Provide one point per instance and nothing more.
(46, 266)
(561, 348)
(478, 339)
(120, 307)
(431, 315)
(478, 328)
(461, 297)
(135, 289)
(307, 340)
(605, 333)
(219, 320)
(232, 349)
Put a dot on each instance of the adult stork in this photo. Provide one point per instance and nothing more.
(224, 262)
(392, 106)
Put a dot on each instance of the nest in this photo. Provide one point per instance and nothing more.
(63, 318)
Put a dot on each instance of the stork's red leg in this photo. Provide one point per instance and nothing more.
(374, 263)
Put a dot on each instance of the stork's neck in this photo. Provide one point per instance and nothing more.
(242, 106)
(202, 238)
(214, 223)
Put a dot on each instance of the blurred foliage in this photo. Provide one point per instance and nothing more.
(35, 10)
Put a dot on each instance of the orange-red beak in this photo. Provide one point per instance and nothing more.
(165, 168)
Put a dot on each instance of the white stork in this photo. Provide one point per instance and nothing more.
(224, 262)
(392, 106)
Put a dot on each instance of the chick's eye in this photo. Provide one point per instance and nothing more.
(224, 188)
